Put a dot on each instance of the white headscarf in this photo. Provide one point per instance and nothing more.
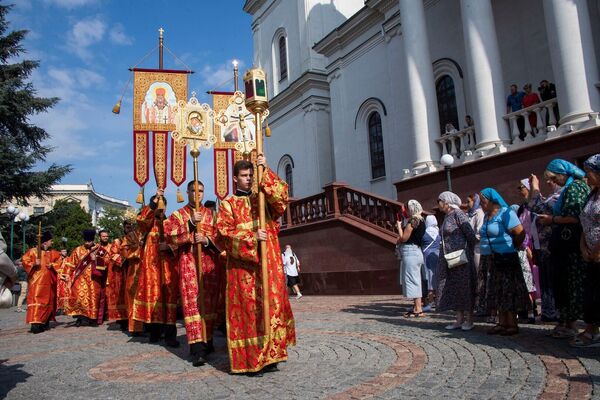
(431, 227)
(415, 209)
(451, 199)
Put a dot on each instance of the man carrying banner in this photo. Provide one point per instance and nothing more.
(237, 222)
(88, 263)
(182, 236)
(41, 266)
(155, 302)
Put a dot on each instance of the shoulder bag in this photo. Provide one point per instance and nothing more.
(455, 258)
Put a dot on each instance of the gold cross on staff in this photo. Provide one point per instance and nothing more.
(161, 31)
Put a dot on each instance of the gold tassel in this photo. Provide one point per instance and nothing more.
(179, 196)
(161, 203)
(117, 108)
(140, 197)
(267, 129)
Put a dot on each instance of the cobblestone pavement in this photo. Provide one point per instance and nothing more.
(348, 347)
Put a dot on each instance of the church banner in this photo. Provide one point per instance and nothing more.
(141, 157)
(159, 152)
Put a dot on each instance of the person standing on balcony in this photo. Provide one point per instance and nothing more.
(530, 99)
(411, 237)
(514, 102)
(547, 92)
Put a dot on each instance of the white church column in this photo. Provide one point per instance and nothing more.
(486, 85)
(573, 60)
(424, 126)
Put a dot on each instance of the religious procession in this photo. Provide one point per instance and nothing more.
(286, 203)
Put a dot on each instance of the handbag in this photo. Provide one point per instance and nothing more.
(6, 296)
(455, 258)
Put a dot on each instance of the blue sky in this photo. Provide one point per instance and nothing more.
(86, 47)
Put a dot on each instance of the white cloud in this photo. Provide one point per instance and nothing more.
(70, 4)
(216, 76)
(84, 34)
(118, 36)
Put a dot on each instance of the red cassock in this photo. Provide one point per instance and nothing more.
(63, 285)
(180, 235)
(41, 295)
(86, 282)
(156, 297)
(237, 222)
(131, 254)
(116, 291)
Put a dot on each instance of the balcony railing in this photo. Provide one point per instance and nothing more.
(545, 117)
(339, 200)
(456, 143)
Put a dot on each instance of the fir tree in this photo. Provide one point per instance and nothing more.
(21, 143)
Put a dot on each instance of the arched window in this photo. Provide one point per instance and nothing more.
(376, 146)
(289, 179)
(446, 99)
(283, 73)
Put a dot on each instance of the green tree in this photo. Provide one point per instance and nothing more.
(21, 143)
(66, 220)
(112, 221)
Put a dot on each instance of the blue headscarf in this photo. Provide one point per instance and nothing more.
(562, 167)
(493, 196)
(476, 205)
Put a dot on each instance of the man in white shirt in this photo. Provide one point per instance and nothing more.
(291, 264)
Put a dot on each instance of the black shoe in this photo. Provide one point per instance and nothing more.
(37, 328)
(256, 374)
(78, 322)
(199, 360)
(271, 368)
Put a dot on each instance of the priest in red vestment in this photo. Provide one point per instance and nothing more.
(88, 264)
(155, 302)
(183, 239)
(250, 351)
(131, 255)
(115, 285)
(41, 278)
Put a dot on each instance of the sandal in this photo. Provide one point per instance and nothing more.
(586, 340)
(412, 314)
(564, 333)
(496, 330)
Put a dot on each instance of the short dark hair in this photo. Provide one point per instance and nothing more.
(210, 203)
(242, 165)
(514, 85)
(191, 184)
(103, 231)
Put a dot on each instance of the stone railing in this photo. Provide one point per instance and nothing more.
(456, 143)
(339, 200)
(545, 117)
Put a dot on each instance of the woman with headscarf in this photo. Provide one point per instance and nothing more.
(501, 235)
(540, 235)
(525, 256)
(456, 283)
(476, 220)
(590, 251)
(431, 250)
(411, 237)
(567, 261)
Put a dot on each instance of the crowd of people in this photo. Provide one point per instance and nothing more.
(491, 260)
(141, 280)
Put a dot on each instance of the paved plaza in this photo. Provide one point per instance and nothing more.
(348, 347)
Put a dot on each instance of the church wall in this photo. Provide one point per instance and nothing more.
(523, 42)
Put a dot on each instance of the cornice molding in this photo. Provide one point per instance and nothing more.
(252, 6)
(308, 81)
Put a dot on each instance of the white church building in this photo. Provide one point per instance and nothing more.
(361, 91)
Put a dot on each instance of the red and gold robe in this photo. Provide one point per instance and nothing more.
(86, 283)
(116, 292)
(41, 295)
(237, 223)
(63, 285)
(131, 254)
(180, 237)
(156, 297)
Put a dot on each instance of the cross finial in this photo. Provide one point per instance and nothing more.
(160, 32)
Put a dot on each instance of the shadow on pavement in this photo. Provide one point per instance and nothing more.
(10, 376)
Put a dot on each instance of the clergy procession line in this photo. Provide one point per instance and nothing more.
(139, 280)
